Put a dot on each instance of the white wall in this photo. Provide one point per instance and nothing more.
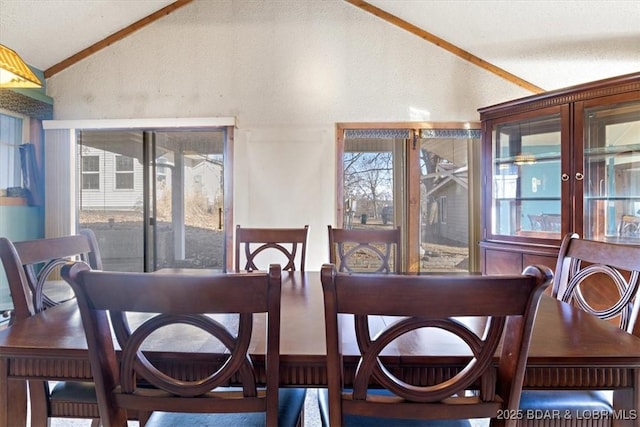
(288, 71)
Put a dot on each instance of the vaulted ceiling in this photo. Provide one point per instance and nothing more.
(549, 44)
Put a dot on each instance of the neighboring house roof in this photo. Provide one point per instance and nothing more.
(448, 173)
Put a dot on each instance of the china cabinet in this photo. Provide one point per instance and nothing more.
(559, 162)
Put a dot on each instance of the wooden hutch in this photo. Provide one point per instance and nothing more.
(563, 161)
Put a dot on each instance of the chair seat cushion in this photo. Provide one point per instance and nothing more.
(290, 405)
(74, 391)
(363, 421)
(573, 401)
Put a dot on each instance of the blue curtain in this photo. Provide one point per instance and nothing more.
(30, 179)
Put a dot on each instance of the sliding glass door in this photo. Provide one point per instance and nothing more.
(154, 198)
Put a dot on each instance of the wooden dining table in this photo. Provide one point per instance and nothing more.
(570, 349)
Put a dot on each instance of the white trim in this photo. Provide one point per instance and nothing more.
(60, 176)
(178, 122)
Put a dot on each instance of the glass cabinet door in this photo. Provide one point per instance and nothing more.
(611, 171)
(526, 187)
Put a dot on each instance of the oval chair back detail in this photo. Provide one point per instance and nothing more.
(251, 242)
(496, 310)
(603, 279)
(223, 311)
(365, 250)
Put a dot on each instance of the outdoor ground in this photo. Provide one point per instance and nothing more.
(204, 247)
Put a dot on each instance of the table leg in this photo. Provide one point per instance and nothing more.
(13, 399)
(4, 394)
(38, 398)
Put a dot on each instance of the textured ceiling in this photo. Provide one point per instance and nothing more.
(44, 32)
(550, 44)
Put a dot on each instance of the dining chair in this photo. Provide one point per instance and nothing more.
(384, 311)
(255, 245)
(32, 269)
(365, 250)
(603, 279)
(286, 241)
(193, 311)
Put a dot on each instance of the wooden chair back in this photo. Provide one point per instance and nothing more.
(601, 278)
(222, 306)
(507, 306)
(365, 250)
(251, 242)
(33, 269)
(31, 264)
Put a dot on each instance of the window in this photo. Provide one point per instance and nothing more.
(124, 173)
(11, 136)
(421, 179)
(91, 172)
(442, 209)
(368, 183)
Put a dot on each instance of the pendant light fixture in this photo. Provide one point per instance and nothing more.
(14, 73)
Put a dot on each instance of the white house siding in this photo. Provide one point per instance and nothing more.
(457, 227)
(108, 197)
(208, 185)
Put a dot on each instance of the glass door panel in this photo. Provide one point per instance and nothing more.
(444, 199)
(111, 195)
(370, 182)
(373, 177)
(173, 179)
(189, 199)
(612, 172)
(526, 192)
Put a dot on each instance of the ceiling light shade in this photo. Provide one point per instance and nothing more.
(14, 73)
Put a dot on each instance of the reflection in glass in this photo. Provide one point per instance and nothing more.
(526, 171)
(444, 199)
(612, 172)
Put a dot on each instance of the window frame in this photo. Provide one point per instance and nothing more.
(92, 172)
(118, 173)
(24, 138)
(410, 194)
(442, 209)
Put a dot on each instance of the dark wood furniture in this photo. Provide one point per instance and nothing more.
(603, 280)
(569, 348)
(569, 154)
(30, 267)
(600, 278)
(365, 250)
(130, 382)
(508, 304)
(251, 242)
